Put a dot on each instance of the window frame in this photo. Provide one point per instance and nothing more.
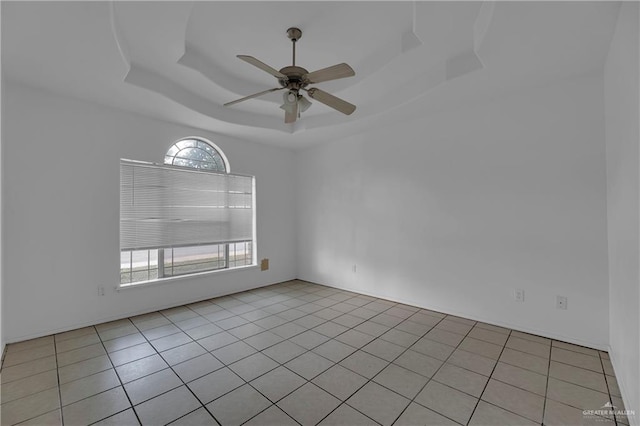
(160, 251)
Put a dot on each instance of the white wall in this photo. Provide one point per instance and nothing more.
(61, 217)
(454, 211)
(623, 191)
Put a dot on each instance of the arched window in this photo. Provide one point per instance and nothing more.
(183, 220)
(196, 153)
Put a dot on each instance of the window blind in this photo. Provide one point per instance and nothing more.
(165, 206)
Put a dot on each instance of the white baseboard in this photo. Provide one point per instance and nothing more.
(505, 324)
(622, 384)
(128, 315)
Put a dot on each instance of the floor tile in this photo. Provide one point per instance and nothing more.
(77, 342)
(346, 416)
(233, 322)
(238, 406)
(60, 337)
(575, 348)
(140, 368)
(253, 366)
(197, 367)
(381, 404)
(521, 378)
(383, 349)
(416, 414)
(278, 383)
(246, 330)
(30, 344)
(461, 379)
(19, 357)
(350, 321)
(492, 327)
(574, 395)
(579, 376)
(27, 369)
(576, 359)
(309, 339)
(190, 323)
(309, 365)
(400, 338)
(182, 353)
(152, 385)
(284, 352)
(217, 341)
(96, 408)
(524, 360)
(418, 363)
(364, 364)
(443, 336)
(124, 342)
(490, 415)
(29, 385)
(433, 349)
(413, 328)
(532, 337)
(334, 350)
(52, 418)
(288, 330)
(80, 354)
(131, 354)
(273, 321)
(481, 347)
(453, 327)
(113, 333)
(263, 340)
(488, 336)
(198, 417)
(30, 406)
(340, 382)
(88, 386)
(233, 352)
(372, 328)
(401, 380)
(528, 346)
(216, 384)
(447, 401)
(203, 331)
(171, 341)
(330, 329)
(167, 407)
(516, 400)
(558, 414)
(161, 326)
(310, 321)
(126, 417)
(309, 404)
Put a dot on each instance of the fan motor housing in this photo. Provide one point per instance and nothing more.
(294, 77)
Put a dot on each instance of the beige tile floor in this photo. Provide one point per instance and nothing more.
(301, 353)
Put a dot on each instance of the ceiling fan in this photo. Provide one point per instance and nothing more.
(294, 79)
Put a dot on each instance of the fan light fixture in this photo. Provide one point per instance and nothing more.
(294, 79)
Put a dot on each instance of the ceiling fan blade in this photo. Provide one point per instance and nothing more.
(291, 113)
(255, 95)
(264, 67)
(330, 73)
(331, 101)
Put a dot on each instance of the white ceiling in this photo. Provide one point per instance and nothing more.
(176, 60)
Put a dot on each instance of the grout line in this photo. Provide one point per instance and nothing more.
(119, 379)
(546, 386)
(487, 384)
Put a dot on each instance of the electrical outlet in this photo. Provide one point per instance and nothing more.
(518, 295)
(561, 302)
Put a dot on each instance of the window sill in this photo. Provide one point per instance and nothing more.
(161, 281)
